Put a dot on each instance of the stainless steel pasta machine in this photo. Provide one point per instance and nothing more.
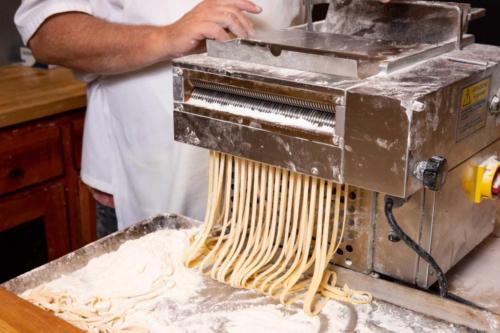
(393, 99)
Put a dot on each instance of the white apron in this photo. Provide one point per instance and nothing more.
(129, 149)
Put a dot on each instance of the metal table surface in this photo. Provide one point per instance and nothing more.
(216, 299)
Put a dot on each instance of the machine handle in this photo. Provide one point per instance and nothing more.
(432, 172)
(476, 13)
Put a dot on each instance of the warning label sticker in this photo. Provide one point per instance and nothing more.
(473, 109)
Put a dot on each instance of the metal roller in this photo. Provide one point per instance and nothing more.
(319, 118)
(266, 97)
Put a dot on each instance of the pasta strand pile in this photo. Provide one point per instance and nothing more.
(98, 314)
(274, 231)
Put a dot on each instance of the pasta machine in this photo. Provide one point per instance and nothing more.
(393, 99)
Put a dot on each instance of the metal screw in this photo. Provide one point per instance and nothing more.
(315, 171)
(339, 100)
(417, 106)
(495, 105)
(178, 71)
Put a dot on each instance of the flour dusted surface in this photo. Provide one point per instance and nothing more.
(187, 302)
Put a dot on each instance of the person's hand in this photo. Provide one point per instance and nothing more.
(211, 19)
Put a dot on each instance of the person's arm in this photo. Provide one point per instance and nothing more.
(88, 44)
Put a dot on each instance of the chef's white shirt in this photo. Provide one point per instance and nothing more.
(128, 145)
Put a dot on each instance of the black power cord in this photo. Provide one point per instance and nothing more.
(422, 253)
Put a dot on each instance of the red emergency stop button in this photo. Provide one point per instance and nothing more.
(495, 190)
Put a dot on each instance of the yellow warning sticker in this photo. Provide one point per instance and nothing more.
(476, 93)
(473, 113)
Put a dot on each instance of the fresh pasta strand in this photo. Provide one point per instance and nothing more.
(274, 231)
(96, 314)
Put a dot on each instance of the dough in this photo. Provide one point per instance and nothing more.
(274, 231)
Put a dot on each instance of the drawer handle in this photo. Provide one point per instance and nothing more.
(16, 173)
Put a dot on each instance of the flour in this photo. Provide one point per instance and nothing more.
(192, 303)
(385, 144)
(126, 282)
(134, 267)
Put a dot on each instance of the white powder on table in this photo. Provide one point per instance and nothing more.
(193, 303)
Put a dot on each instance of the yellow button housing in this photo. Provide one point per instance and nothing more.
(479, 181)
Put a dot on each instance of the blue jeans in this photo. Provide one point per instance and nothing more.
(106, 221)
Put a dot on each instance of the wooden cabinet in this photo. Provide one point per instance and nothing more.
(46, 203)
(39, 181)
(45, 209)
(29, 155)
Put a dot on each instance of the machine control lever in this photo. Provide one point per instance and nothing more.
(432, 172)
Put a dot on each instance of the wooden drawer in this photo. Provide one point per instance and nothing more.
(44, 202)
(29, 156)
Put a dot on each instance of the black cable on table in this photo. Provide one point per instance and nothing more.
(422, 253)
